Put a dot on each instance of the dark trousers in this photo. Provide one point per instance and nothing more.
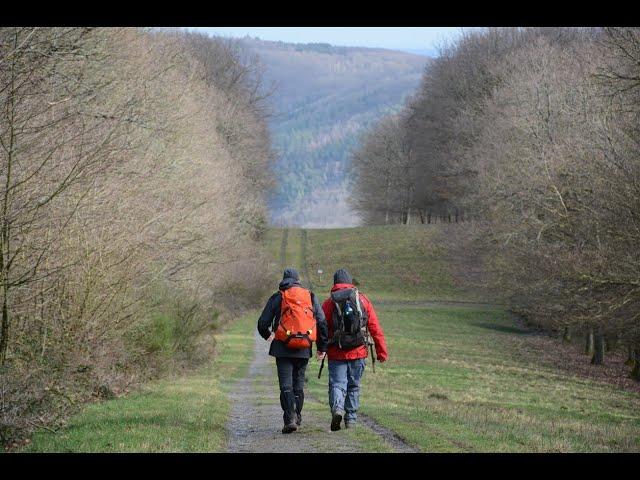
(291, 378)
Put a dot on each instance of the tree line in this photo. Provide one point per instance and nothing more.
(531, 136)
(132, 192)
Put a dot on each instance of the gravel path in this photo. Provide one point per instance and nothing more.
(255, 422)
(256, 417)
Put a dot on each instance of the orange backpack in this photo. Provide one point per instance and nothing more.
(297, 327)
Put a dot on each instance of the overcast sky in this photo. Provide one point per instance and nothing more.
(398, 38)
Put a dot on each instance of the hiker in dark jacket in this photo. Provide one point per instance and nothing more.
(346, 365)
(291, 363)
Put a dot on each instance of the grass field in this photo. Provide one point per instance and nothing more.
(390, 263)
(462, 378)
(183, 414)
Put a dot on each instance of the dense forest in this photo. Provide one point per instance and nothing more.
(133, 181)
(323, 97)
(531, 137)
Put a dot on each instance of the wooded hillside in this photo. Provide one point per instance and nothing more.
(323, 98)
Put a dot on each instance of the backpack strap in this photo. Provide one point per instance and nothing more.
(363, 313)
(273, 320)
(337, 305)
(358, 307)
(338, 312)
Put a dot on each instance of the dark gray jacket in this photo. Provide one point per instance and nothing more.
(270, 319)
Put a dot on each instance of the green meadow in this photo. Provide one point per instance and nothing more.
(462, 378)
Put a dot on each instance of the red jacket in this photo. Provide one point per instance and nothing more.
(333, 352)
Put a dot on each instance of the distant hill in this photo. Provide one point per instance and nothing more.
(325, 97)
(425, 52)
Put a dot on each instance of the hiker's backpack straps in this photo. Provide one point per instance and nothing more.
(297, 328)
(338, 325)
(361, 311)
(338, 309)
(358, 306)
(273, 320)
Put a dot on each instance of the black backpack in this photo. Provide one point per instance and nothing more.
(349, 320)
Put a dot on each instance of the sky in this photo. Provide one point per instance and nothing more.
(395, 38)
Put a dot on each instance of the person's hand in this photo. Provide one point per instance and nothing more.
(271, 337)
(320, 355)
(382, 360)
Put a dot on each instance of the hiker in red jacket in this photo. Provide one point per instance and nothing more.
(348, 312)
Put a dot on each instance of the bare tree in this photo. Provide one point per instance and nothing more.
(134, 171)
(533, 133)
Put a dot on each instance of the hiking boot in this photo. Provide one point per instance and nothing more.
(290, 427)
(351, 424)
(335, 421)
(298, 419)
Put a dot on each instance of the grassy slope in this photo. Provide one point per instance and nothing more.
(389, 263)
(182, 414)
(463, 378)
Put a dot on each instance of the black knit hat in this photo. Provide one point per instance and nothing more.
(342, 276)
(291, 273)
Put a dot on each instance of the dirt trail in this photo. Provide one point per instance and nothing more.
(305, 265)
(283, 247)
(391, 437)
(255, 422)
(256, 417)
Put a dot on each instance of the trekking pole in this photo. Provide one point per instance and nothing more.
(321, 366)
(373, 359)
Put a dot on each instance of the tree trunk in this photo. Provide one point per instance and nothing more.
(598, 353)
(386, 217)
(635, 373)
(4, 329)
(566, 335)
(421, 216)
(588, 349)
(5, 227)
(610, 342)
(429, 217)
(630, 361)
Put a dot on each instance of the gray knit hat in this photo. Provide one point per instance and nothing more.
(342, 276)
(291, 273)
